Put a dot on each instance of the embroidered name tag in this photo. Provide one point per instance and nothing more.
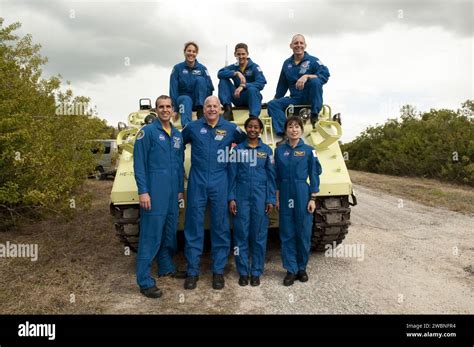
(261, 155)
(299, 154)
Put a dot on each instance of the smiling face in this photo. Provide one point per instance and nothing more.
(242, 55)
(212, 107)
(190, 54)
(164, 109)
(293, 131)
(253, 129)
(298, 44)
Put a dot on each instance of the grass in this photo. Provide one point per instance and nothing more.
(430, 192)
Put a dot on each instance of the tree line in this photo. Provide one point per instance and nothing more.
(45, 134)
(435, 144)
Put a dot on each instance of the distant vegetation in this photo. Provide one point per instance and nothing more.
(44, 134)
(435, 144)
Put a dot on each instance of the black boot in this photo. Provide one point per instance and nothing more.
(302, 276)
(243, 281)
(289, 279)
(228, 114)
(314, 119)
(218, 281)
(199, 112)
(254, 281)
(191, 282)
(152, 292)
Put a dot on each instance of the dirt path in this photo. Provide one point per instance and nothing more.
(416, 259)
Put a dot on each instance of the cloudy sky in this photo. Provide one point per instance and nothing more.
(381, 54)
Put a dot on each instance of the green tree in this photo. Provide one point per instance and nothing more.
(437, 144)
(44, 153)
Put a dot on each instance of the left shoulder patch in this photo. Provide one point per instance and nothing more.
(315, 154)
(299, 153)
(140, 135)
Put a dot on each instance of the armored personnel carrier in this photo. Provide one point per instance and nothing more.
(332, 215)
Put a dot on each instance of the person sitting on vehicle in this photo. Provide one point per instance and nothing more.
(190, 84)
(304, 75)
(241, 84)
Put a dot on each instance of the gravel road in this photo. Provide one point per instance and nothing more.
(415, 259)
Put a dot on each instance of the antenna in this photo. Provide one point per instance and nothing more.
(226, 60)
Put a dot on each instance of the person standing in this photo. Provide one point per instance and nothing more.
(241, 83)
(296, 199)
(190, 84)
(159, 173)
(304, 75)
(211, 138)
(251, 199)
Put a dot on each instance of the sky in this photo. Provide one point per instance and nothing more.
(381, 54)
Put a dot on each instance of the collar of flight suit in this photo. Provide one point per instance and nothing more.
(159, 126)
(299, 144)
(204, 121)
(246, 143)
(196, 65)
(305, 57)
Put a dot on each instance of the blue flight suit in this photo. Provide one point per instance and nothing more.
(208, 183)
(189, 87)
(252, 185)
(294, 166)
(250, 95)
(311, 94)
(159, 171)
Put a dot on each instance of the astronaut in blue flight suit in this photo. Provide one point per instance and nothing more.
(211, 138)
(304, 75)
(190, 84)
(159, 173)
(296, 200)
(241, 84)
(251, 199)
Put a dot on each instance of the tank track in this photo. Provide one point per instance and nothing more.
(331, 221)
(126, 220)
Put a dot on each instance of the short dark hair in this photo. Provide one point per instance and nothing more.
(242, 45)
(163, 97)
(293, 120)
(247, 121)
(189, 43)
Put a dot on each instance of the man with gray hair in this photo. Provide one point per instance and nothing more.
(207, 184)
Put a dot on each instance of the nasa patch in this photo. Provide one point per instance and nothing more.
(287, 153)
(203, 131)
(289, 66)
(185, 71)
(161, 137)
